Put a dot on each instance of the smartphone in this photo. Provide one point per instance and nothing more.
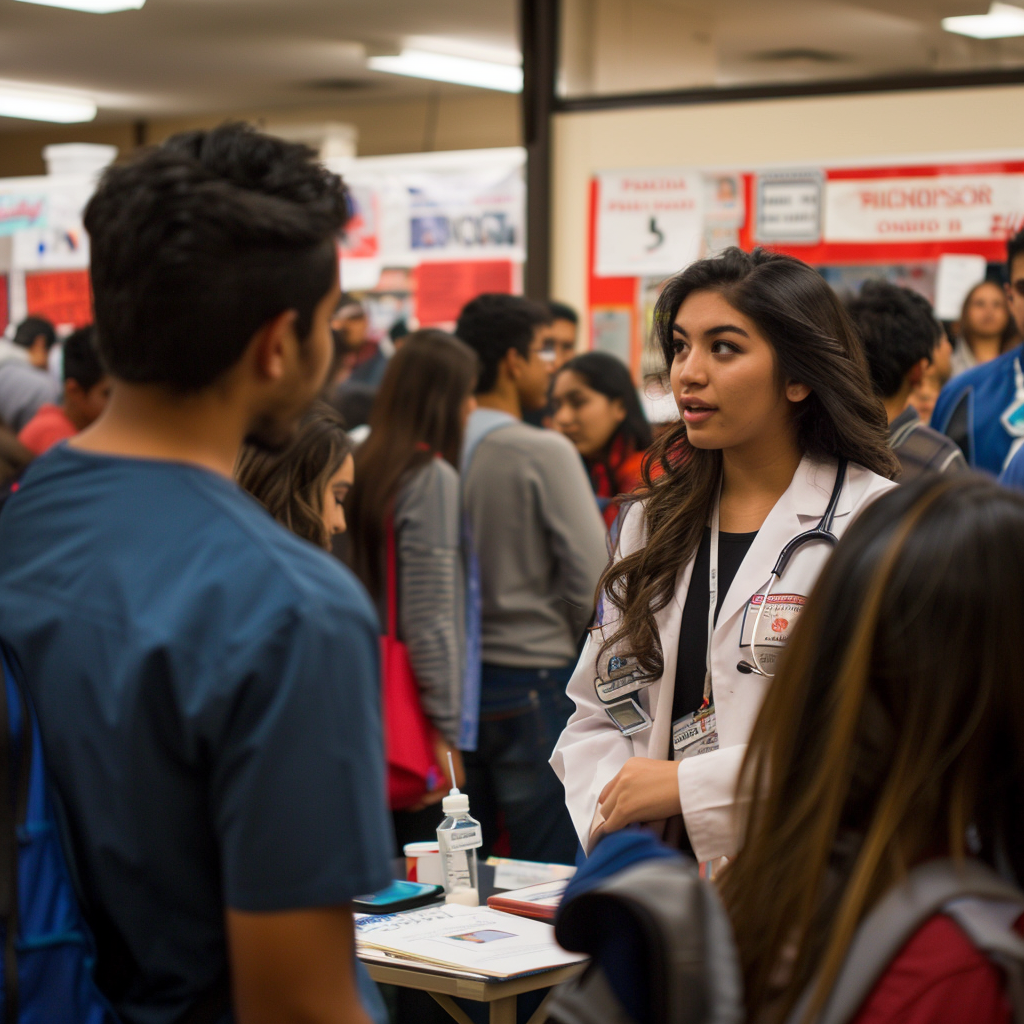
(397, 896)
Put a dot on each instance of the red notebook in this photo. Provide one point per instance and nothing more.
(537, 901)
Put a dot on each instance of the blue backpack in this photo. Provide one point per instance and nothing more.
(49, 953)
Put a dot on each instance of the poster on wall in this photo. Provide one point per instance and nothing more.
(933, 208)
(442, 289)
(442, 207)
(22, 212)
(789, 207)
(57, 239)
(853, 223)
(649, 222)
(63, 297)
(359, 251)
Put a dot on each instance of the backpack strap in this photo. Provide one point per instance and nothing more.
(926, 891)
(15, 768)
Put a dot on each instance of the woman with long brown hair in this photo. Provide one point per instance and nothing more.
(986, 327)
(780, 445)
(891, 737)
(407, 481)
(304, 486)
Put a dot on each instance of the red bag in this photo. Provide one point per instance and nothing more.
(408, 735)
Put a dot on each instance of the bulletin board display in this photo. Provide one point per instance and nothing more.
(60, 296)
(909, 218)
(431, 231)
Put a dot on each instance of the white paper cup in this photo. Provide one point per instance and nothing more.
(423, 863)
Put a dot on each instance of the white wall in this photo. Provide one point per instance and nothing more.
(827, 129)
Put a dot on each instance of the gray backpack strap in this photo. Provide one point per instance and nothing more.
(693, 971)
(926, 891)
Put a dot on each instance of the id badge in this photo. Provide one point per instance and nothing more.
(694, 734)
(1012, 418)
(777, 622)
(628, 716)
(617, 674)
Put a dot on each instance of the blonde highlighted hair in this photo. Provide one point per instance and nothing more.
(893, 730)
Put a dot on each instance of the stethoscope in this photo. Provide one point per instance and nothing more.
(823, 531)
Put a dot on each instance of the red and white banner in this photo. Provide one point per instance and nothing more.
(934, 208)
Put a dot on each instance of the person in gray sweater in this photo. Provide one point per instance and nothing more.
(406, 482)
(540, 544)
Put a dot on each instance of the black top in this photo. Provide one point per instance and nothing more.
(693, 636)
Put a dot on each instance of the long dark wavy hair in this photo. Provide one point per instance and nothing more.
(816, 345)
(610, 377)
(290, 484)
(416, 417)
(891, 734)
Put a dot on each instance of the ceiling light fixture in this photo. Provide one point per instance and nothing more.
(42, 105)
(91, 6)
(439, 67)
(1001, 22)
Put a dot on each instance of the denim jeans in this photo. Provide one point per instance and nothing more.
(511, 786)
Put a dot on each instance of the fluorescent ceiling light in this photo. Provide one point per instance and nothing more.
(92, 6)
(440, 67)
(42, 105)
(1001, 22)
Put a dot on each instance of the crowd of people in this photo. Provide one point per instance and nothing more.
(773, 632)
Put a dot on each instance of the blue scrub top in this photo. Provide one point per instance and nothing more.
(207, 690)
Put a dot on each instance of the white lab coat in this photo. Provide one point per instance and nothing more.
(591, 750)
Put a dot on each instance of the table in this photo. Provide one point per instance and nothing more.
(501, 995)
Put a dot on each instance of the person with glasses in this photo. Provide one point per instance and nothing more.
(538, 540)
(983, 409)
(782, 442)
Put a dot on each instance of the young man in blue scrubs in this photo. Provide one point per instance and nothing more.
(206, 683)
(983, 408)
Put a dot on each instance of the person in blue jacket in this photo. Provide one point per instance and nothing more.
(983, 408)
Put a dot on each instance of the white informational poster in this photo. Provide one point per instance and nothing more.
(433, 207)
(939, 208)
(955, 276)
(44, 216)
(652, 222)
(789, 206)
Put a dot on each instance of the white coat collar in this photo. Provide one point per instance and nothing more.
(806, 498)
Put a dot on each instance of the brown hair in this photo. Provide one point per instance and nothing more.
(894, 726)
(1009, 334)
(291, 483)
(416, 417)
(815, 344)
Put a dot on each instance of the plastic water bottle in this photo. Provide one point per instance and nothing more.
(458, 837)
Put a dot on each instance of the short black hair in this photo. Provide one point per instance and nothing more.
(1014, 248)
(82, 360)
(198, 243)
(898, 330)
(30, 328)
(493, 323)
(560, 311)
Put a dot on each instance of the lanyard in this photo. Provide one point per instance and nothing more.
(712, 596)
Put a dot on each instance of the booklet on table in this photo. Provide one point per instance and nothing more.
(473, 939)
(537, 901)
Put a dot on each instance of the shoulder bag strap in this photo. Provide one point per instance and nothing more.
(392, 577)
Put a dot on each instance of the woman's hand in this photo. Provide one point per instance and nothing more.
(644, 790)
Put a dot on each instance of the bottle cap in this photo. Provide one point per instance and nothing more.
(455, 803)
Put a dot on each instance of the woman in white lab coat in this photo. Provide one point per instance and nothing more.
(780, 435)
